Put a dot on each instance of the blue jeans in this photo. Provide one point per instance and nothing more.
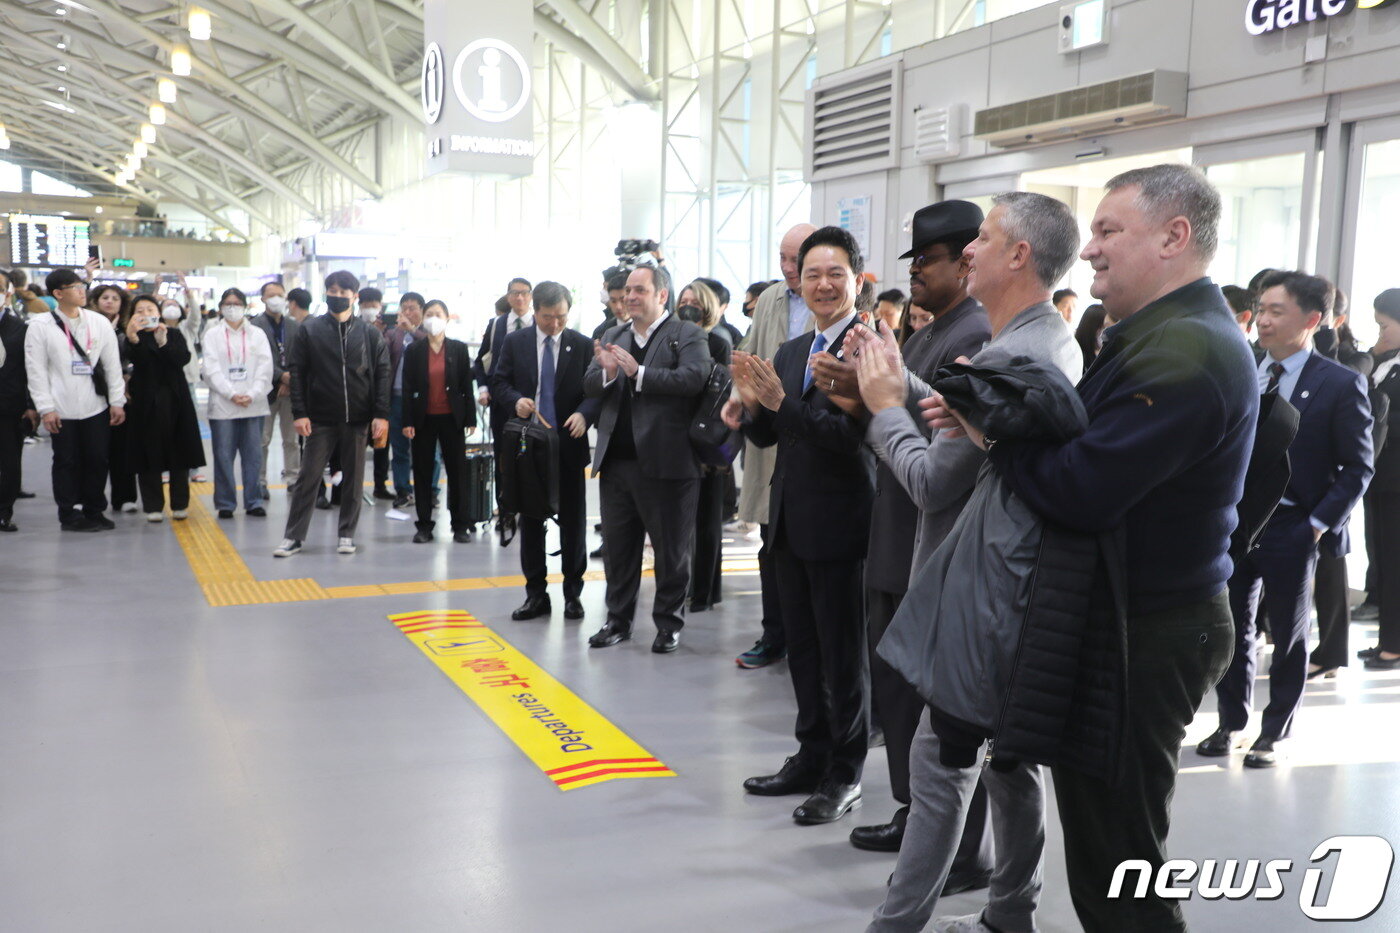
(402, 449)
(241, 437)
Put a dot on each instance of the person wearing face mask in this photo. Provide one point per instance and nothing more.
(405, 333)
(162, 424)
(340, 394)
(238, 367)
(437, 407)
(113, 304)
(372, 308)
(699, 305)
(280, 328)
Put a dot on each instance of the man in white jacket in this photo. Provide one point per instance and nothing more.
(238, 369)
(75, 378)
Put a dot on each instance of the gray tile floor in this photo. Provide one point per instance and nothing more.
(302, 767)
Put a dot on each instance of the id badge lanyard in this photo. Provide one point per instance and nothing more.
(80, 367)
(238, 373)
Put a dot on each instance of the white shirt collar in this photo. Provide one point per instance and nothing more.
(834, 331)
(643, 338)
(1291, 364)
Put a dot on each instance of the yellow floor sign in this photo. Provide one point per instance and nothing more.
(570, 741)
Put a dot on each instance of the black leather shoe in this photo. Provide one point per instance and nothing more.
(422, 537)
(462, 537)
(609, 635)
(1367, 654)
(596, 555)
(102, 522)
(1218, 744)
(697, 606)
(1379, 663)
(794, 777)
(25, 495)
(226, 513)
(573, 609)
(382, 492)
(322, 503)
(533, 608)
(885, 837)
(828, 804)
(79, 523)
(7, 525)
(1322, 673)
(257, 512)
(666, 642)
(1261, 754)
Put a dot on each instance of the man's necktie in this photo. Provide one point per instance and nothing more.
(1275, 373)
(818, 346)
(516, 324)
(546, 392)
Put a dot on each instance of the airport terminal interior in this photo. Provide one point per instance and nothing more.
(246, 708)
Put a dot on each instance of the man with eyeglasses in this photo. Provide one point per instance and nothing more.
(75, 379)
(518, 318)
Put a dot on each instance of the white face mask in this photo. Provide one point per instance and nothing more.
(370, 314)
(232, 313)
(276, 304)
(171, 312)
(434, 326)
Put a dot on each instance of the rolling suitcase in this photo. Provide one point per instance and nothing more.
(477, 475)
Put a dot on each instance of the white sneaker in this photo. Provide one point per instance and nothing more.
(287, 548)
(972, 923)
(199, 478)
(346, 546)
(129, 507)
(154, 517)
(737, 527)
(180, 514)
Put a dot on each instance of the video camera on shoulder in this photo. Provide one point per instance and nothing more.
(630, 252)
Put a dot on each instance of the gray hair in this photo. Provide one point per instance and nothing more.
(1173, 190)
(551, 293)
(1047, 225)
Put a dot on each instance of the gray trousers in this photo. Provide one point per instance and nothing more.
(279, 417)
(635, 506)
(349, 439)
(939, 807)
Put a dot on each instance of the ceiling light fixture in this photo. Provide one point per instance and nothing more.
(141, 149)
(167, 90)
(181, 62)
(201, 24)
(148, 133)
(157, 114)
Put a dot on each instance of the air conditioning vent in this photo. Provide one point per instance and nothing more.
(853, 125)
(1146, 98)
(938, 133)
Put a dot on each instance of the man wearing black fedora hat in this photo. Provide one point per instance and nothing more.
(960, 327)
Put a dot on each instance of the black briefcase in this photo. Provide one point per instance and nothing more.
(529, 469)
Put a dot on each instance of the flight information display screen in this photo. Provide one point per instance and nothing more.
(48, 240)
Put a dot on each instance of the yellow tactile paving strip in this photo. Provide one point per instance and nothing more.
(227, 581)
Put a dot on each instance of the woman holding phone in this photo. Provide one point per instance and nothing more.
(163, 428)
(112, 303)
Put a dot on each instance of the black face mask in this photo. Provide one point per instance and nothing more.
(691, 313)
(748, 310)
(337, 304)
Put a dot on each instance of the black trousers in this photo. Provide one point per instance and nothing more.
(1331, 599)
(774, 635)
(1174, 657)
(1386, 505)
(123, 480)
(80, 452)
(1284, 564)
(153, 493)
(1372, 513)
(633, 507)
(438, 432)
(897, 705)
(573, 534)
(824, 612)
(731, 495)
(12, 432)
(705, 582)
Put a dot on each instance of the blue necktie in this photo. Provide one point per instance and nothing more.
(818, 346)
(546, 393)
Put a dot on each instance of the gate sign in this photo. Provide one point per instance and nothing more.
(1266, 16)
(476, 87)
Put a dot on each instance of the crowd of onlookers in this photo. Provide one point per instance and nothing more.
(991, 540)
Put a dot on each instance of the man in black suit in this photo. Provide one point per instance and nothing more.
(541, 369)
(512, 321)
(819, 521)
(1332, 461)
(647, 374)
(15, 405)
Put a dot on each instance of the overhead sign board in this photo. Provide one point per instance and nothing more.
(476, 87)
(48, 240)
(1265, 16)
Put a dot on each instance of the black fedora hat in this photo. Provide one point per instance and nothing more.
(941, 220)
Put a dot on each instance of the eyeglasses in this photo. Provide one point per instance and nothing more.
(517, 293)
(928, 259)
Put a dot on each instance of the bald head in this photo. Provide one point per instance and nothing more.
(788, 250)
